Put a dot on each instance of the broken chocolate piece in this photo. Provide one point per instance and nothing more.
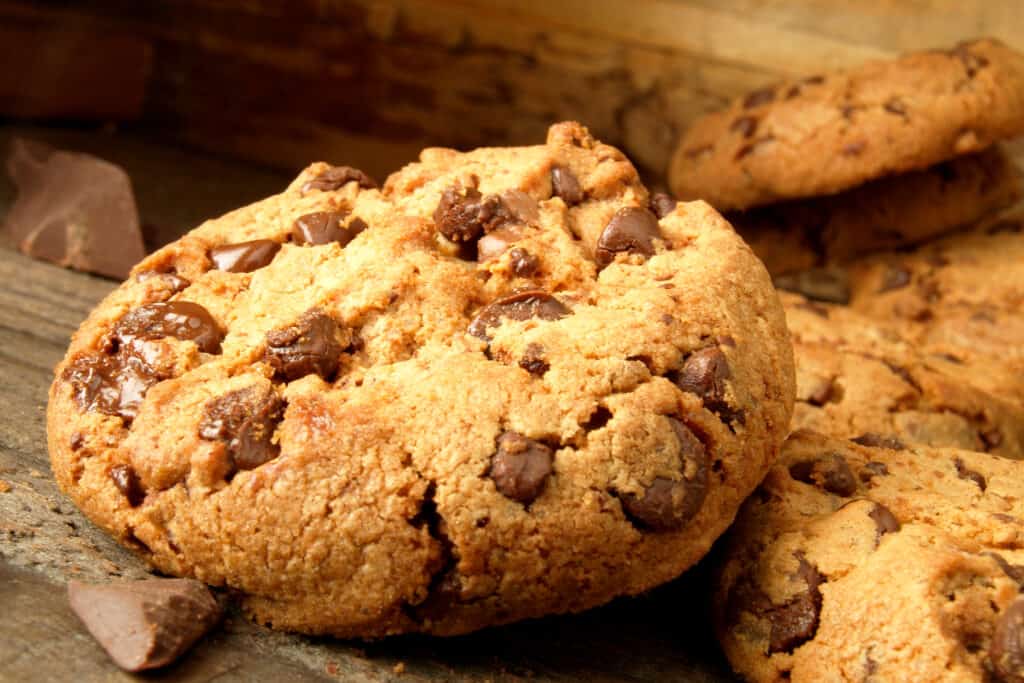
(128, 483)
(520, 306)
(145, 624)
(324, 227)
(336, 177)
(520, 467)
(244, 257)
(245, 420)
(632, 230)
(179, 319)
(313, 344)
(565, 185)
(73, 209)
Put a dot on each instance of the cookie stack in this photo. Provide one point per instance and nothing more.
(888, 540)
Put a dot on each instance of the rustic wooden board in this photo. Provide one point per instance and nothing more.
(44, 540)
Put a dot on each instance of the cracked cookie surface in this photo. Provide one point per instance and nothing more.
(831, 132)
(507, 383)
(876, 562)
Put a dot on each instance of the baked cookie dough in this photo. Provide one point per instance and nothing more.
(874, 561)
(506, 384)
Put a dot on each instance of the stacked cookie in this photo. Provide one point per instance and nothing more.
(508, 383)
(886, 542)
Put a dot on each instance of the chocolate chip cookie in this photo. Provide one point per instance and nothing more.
(854, 377)
(507, 383)
(887, 213)
(868, 560)
(830, 132)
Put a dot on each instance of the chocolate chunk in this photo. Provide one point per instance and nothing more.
(497, 242)
(179, 319)
(324, 227)
(965, 472)
(244, 257)
(796, 621)
(662, 204)
(705, 373)
(128, 483)
(313, 344)
(884, 520)
(524, 264)
(524, 305)
(829, 284)
(520, 206)
(73, 209)
(145, 624)
(336, 177)
(758, 98)
(520, 467)
(829, 472)
(533, 360)
(565, 185)
(114, 385)
(632, 229)
(873, 440)
(873, 469)
(464, 215)
(245, 420)
(668, 504)
(744, 125)
(1006, 653)
(895, 277)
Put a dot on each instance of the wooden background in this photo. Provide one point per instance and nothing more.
(210, 104)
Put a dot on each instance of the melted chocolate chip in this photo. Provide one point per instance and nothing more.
(336, 177)
(829, 472)
(662, 204)
(965, 472)
(796, 621)
(245, 421)
(705, 374)
(128, 483)
(114, 385)
(520, 306)
(179, 319)
(669, 504)
(520, 467)
(744, 125)
(885, 521)
(313, 344)
(244, 257)
(565, 185)
(632, 230)
(873, 440)
(1006, 653)
(524, 264)
(533, 360)
(758, 98)
(497, 242)
(324, 227)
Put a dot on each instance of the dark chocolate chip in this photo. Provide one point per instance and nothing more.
(873, 469)
(705, 373)
(179, 319)
(632, 229)
(885, 521)
(874, 440)
(463, 216)
(744, 125)
(114, 385)
(964, 472)
(520, 306)
(520, 206)
(244, 257)
(669, 504)
(145, 624)
(324, 227)
(1006, 653)
(520, 467)
(758, 98)
(829, 472)
(662, 204)
(598, 419)
(796, 621)
(312, 344)
(895, 277)
(829, 284)
(533, 360)
(336, 177)
(497, 242)
(524, 264)
(245, 420)
(128, 483)
(565, 185)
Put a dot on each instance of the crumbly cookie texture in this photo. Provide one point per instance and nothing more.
(876, 562)
(831, 132)
(509, 383)
(888, 213)
(856, 378)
